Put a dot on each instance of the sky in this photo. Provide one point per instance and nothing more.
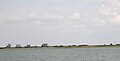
(59, 22)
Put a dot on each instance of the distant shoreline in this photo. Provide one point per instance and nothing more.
(74, 46)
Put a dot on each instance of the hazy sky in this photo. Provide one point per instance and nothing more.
(59, 22)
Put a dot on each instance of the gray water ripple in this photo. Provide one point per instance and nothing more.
(61, 54)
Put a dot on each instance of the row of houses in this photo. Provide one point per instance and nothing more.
(27, 46)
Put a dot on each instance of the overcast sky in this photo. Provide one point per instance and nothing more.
(59, 22)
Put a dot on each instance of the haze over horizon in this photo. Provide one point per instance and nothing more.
(59, 22)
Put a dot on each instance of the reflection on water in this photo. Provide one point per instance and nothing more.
(61, 54)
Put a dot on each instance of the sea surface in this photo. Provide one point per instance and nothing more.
(60, 54)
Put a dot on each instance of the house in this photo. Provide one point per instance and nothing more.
(44, 45)
(28, 46)
(18, 46)
(8, 46)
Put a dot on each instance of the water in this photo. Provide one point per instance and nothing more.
(61, 54)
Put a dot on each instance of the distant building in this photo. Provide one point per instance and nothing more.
(8, 46)
(28, 46)
(44, 45)
(18, 46)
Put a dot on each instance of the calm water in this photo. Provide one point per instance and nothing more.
(61, 54)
